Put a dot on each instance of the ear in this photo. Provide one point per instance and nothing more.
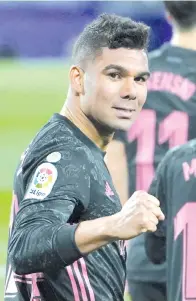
(76, 75)
(168, 17)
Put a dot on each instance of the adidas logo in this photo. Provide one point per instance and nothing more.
(108, 190)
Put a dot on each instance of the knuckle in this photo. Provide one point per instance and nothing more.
(142, 213)
(152, 227)
(144, 219)
(158, 202)
(156, 211)
(154, 200)
(140, 193)
(140, 201)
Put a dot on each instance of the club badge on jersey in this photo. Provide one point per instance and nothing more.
(42, 182)
(54, 157)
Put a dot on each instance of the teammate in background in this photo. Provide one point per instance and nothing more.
(174, 240)
(167, 119)
(68, 226)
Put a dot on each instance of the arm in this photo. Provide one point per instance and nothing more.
(116, 160)
(141, 212)
(44, 236)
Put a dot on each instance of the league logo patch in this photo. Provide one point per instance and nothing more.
(43, 180)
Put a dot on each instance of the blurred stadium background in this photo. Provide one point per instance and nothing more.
(35, 46)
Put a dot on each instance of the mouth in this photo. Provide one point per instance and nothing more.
(125, 113)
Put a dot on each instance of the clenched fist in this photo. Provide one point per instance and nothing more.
(140, 213)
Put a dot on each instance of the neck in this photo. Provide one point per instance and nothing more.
(184, 39)
(77, 117)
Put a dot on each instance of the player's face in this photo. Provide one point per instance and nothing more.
(115, 87)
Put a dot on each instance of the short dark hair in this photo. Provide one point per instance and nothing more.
(183, 12)
(110, 31)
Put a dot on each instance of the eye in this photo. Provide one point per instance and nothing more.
(114, 75)
(141, 79)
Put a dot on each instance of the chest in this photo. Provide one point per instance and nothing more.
(104, 200)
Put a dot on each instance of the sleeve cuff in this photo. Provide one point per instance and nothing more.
(65, 244)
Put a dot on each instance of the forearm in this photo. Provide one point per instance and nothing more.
(140, 212)
(93, 234)
(41, 247)
(41, 238)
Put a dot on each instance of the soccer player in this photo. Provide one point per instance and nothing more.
(167, 119)
(174, 185)
(67, 225)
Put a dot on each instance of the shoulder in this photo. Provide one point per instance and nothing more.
(184, 151)
(158, 53)
(58, 146)
(58, 138)
(175, 157)
(157, 58)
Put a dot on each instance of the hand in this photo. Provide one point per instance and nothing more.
(140, 213)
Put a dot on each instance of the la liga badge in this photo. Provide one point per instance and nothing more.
(43, 180)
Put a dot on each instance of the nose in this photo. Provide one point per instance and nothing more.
(128, 90)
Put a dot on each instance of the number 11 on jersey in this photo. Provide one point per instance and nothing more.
(185, 222)
(172, 129)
